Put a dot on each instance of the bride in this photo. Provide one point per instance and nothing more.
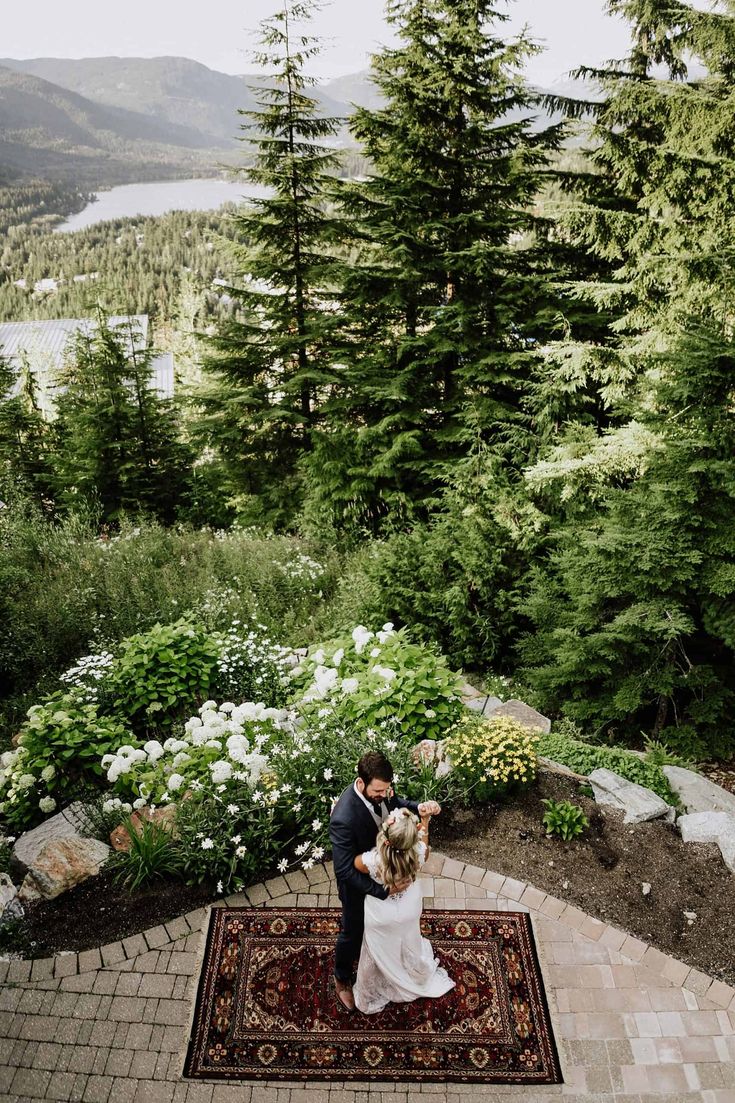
(397, 965)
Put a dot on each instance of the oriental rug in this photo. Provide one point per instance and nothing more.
(267, 1009)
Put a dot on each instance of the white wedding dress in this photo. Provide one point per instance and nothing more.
(397, 965)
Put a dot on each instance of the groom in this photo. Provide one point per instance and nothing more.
(353, 829)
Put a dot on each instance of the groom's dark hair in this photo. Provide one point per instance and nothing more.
(374, 765)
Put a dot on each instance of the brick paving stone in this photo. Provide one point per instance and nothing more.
(697, 982)
(198, 919)
(257, 894)
(297, 881)
(134, 945)
(183, 963)
(177, 928)
(65, 965)
(156, 937)
(18, 972)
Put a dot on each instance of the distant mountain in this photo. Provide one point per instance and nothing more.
(355, 88)
(174, 90)
(48, 129)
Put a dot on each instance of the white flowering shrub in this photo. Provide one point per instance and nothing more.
(224, 744)
(89, 676)
(250, 666)
(59, 751)
(317, 763)
(369, 677)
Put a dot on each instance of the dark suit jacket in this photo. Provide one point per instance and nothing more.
(353, 831)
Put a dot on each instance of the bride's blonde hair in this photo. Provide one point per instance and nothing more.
(398, 847)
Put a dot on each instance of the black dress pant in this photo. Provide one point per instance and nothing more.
(349, 940)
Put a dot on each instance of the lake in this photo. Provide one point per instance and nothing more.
(159, 196)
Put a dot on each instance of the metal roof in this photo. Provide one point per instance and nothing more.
(50, 337)
(44, 344)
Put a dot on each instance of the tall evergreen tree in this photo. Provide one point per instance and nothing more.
(25, 438)
(117, 438)
(448, 294)
(273, 362)
(635, 609)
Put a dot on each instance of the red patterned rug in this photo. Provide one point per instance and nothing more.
(267, 1010)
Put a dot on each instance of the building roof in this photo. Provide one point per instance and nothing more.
(44, 344)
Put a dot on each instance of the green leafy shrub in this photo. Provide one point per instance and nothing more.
(491, 757)
(65, 592)
(583, 758)
(564, 819)
(152, 854)
(372, 677)
(230, 838)
(59, 750)
(161, 673)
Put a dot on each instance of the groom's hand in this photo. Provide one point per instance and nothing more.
(400, 886)
(429, 808)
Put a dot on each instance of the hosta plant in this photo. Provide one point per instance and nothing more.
(564, 819)
(59, 751)
(163, 672)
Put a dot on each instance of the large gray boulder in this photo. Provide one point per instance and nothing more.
(10, 905)
(482, 703)
(523, 713)
(64, 825)
(710, 827)
(698, 793)
(637, 803)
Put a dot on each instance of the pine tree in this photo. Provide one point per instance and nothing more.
(25, 438)
(635, 610)
(449, 291)
(273, 362)
(117, 442)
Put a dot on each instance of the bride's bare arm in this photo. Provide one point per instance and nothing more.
(424, 834)
(360, 865)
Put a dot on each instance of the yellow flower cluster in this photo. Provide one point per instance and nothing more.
(492, 753)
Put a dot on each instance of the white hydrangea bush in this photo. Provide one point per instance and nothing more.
(371, 676)
(224, 745)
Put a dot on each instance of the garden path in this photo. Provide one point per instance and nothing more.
(632, 1024)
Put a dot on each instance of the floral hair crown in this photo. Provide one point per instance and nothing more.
(393, 818)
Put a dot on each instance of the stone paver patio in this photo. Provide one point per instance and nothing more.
(632, 1024)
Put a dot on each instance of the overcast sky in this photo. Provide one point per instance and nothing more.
(220, 33)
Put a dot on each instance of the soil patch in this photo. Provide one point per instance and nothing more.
(97, 912)
(603, 871)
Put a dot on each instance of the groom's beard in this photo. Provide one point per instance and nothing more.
(376, 802)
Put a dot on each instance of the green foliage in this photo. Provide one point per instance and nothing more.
(117, 439)
(661, 753)
(65, 591)
(371, 678)
(161, 673)
(632, 611)
(230, 839)
(455, 579)
(272, 362)
(564, 819)
(583, 758)
(59, 749)
(152, 854)
(445, 292)
(491, 757)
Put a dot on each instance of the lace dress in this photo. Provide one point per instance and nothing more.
(397, 965)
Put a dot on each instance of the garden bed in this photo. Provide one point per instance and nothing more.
(603, 871)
